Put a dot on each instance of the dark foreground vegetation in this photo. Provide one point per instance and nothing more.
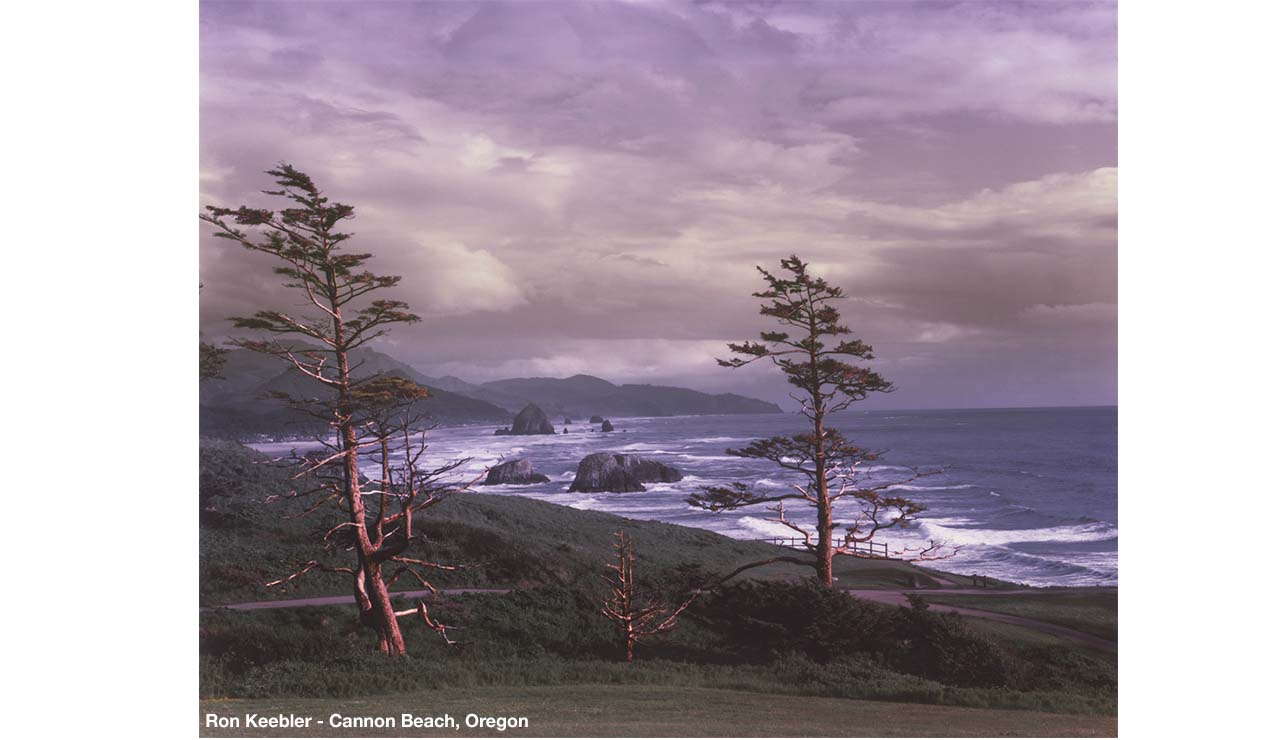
(776, 633)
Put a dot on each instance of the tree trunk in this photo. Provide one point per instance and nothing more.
(380, 611)
(823, 564)
(823, 555)
(388, 625)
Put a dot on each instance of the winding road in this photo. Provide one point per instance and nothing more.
(891, 597)
(338, 600)
(899, 598)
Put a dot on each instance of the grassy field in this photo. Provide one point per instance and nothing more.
(659, 711)
(1089, 610)
(771, 654)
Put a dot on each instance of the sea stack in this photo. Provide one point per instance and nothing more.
(606, 426)
(530, 420)
(596, 419)
(515, 472)
(616, 473)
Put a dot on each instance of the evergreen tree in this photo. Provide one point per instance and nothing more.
(816, 354)
(372, 416)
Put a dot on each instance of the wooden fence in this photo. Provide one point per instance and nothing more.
(857, 549)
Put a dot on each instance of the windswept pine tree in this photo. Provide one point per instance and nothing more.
(813, 351)
(377, 417)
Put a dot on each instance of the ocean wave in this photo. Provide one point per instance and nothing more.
(1035, 570)
(951, 521)
(907, 487)
(643, 447)
(758, 528)
(1095, 532)
(885, 469)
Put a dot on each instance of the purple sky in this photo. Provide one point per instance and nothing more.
(586, 187)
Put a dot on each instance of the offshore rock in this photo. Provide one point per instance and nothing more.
(617, 473)
(531, 420)
(515, 472)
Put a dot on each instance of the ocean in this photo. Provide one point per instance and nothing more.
(1028, 494)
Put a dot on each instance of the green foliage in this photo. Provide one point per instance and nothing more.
(1086, 610)
(503, 541)
(813, 354)
(212, 360)
(233, 476)
(304, 238)
(769, 620)
(802, 302)
(554, 636)
(942, 647)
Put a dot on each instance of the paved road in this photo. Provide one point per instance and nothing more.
(332, 600)
(899, 598)
(892, 597)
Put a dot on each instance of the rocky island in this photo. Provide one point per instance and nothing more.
(530, 420)
(618, 473)
(517, 472)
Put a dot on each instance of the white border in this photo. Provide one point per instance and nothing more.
(100, 305)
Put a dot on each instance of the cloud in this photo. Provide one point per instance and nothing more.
(551, 178)
(635, 361)
(459, 280)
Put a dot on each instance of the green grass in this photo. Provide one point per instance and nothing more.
(554, 636)
(781, 641)
(1089, 610)
(666, 711)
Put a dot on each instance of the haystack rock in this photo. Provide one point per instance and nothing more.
(608, 471)
(531, 420)
(607, 426)
(515, 472)
(567, 421)
(596, 419)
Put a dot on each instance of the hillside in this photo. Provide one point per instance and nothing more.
(773, 633)
(236, 405)
(585, 395)
(508, 540)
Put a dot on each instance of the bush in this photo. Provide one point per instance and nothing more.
(765, 621)
(941, 647)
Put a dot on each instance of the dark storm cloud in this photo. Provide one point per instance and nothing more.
(586, 187)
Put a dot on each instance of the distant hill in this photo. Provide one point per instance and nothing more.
(236, 405)
(584, 395)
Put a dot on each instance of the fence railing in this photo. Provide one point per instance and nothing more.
(857, 549)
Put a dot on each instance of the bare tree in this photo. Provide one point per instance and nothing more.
(375, 417)
(829, 467)
(637, 615)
